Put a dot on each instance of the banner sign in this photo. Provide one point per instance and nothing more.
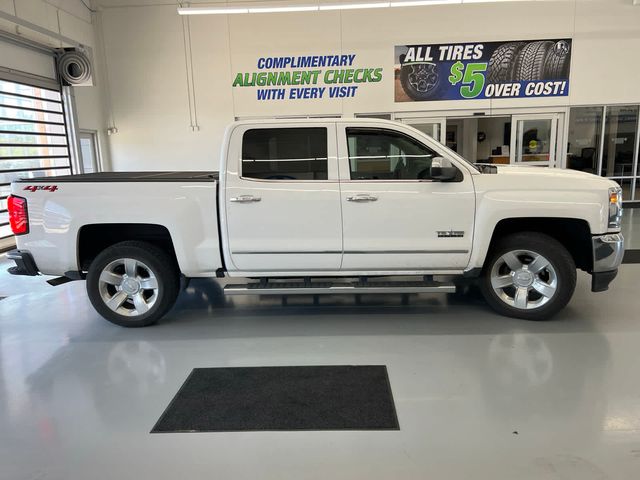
(465, 71)
(307, 77)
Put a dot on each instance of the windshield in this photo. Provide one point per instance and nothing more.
(461, 158)
(449, 151)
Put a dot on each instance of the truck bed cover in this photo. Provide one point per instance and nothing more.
(128, 177)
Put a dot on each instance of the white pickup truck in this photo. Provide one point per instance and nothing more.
(322, 206)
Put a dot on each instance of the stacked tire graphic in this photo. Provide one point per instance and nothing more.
(502, 62)
(527, 61)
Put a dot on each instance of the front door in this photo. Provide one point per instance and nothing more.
(533, 139)
(395, 217)
(282, 199)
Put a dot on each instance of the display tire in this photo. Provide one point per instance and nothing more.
(530, 62)
(559, 258)
(502, 62)
(162, 265)
(556, 65)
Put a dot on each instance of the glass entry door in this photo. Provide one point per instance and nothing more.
(533, 139)
(435, 127)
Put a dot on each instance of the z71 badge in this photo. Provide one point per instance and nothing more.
(34, 188)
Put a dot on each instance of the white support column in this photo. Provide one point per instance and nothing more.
(71, 120)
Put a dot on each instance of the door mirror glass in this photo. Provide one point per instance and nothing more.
(442, 169)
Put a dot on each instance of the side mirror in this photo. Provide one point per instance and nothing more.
(442, 169)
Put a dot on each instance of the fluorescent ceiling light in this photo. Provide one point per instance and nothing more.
(325, 7)
(211, 11)
(301, 8)
(354, 6)
(420, 3)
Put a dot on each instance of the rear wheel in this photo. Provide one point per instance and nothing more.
(133, 284)
(529, 275)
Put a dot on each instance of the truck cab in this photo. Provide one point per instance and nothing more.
(343, 198)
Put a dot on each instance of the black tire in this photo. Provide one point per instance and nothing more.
(502, 62)
(530, 62)
(556, 66)
(559, 259)
(163, 267)
(419, 80)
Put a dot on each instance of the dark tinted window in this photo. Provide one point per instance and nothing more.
(376, 154)
(285, 153)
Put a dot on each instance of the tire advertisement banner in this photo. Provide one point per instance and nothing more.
(466, 71)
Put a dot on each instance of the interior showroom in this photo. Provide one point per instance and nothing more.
(319, 239)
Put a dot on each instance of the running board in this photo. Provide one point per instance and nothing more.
(319, 288)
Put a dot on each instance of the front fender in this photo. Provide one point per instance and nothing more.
(494, 207)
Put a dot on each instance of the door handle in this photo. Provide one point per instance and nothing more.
(245, 199)
(362, 197)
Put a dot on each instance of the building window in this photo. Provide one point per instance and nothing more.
(285, 154)
(585, 129)
(33, 138)
(620, 128)
(603, 140)
(380, 116)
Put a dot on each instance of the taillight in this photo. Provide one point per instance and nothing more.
(18, 215)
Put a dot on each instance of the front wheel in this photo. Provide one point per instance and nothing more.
(133, 284)
(528, 275)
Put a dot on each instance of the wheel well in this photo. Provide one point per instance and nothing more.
(93, 239)
(573, 233)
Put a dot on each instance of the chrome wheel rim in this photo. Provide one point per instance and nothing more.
(423, 77)
(128, 287)
(524, 279)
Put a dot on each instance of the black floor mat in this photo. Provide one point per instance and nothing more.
(631, 256)
(282, 398)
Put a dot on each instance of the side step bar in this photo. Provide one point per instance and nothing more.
(318, 288)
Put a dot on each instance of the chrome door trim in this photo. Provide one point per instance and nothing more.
(299, 252)
(410, 252)
(359, 252)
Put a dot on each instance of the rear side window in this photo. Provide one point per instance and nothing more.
(285, 153)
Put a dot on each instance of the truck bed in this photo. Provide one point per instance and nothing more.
(128, 177)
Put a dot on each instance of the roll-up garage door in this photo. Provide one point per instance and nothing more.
(33, 133)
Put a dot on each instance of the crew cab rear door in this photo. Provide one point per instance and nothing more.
(395, 217)
(282, 200)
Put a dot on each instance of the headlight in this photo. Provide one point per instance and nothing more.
(615, 207)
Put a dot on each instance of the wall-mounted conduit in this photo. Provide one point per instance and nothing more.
(188, 63)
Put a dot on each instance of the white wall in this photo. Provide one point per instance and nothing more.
(148, 81)
(71, 19)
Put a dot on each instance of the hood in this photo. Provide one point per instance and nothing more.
(547, 173)
(544, 171)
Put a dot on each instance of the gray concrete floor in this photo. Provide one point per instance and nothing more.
(478, 395)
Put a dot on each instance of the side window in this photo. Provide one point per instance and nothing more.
(377, 154)
(285, 153)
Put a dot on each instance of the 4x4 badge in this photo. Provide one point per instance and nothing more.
(48, 188)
